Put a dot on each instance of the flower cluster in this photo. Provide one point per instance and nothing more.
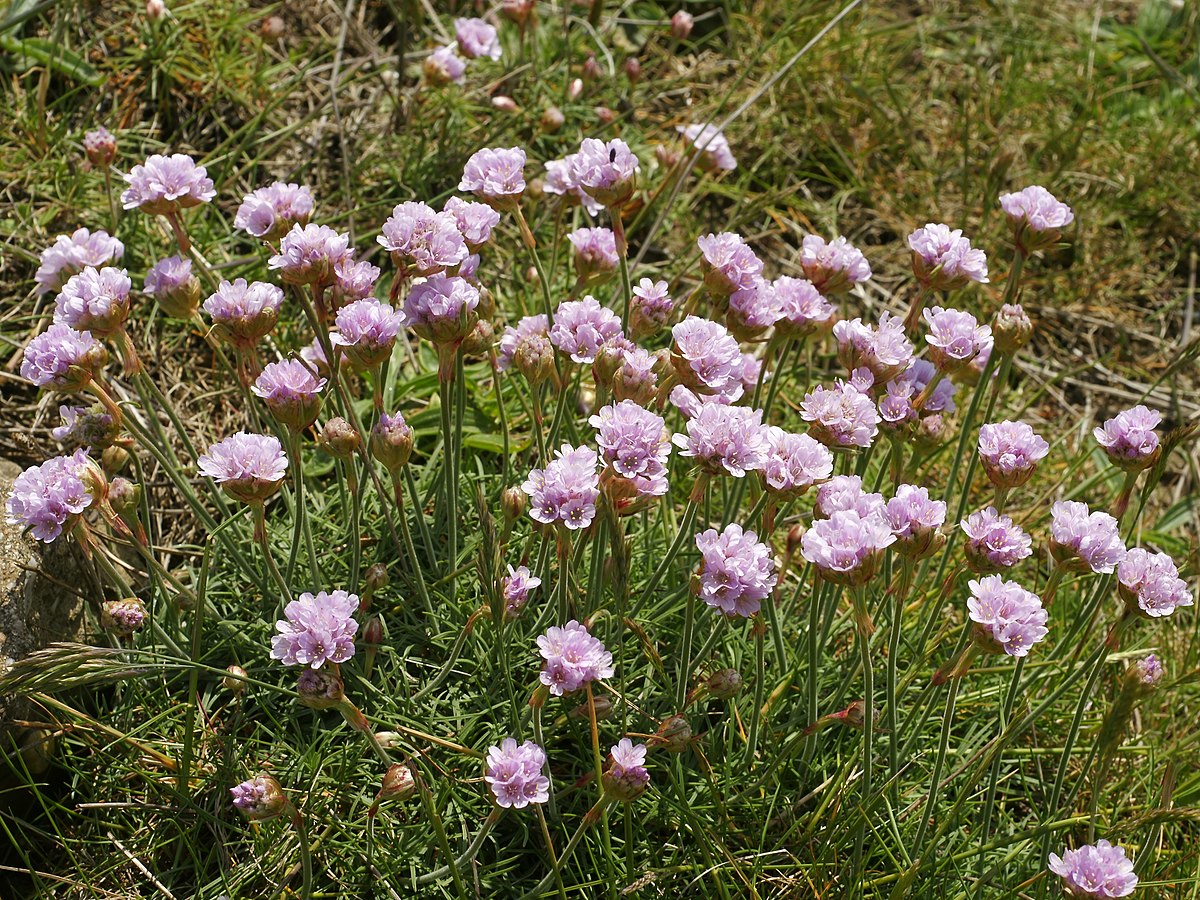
(163, 185)
(1082, 540)
(573, 659)
(515, 588)
(715, 153)
(1008, 618)
(95, 300)
(1095, 870)
(846, 547)
(944, 260)
(72, 253)
(581, 327)
(1129, 437)
(316, 629)
(729, 263)
(566, 490)
(634, 444)
(794, 463)
(994, 542)
(725, 439)
(292, 392)
(270, 212)
(514, 774)
(367, 331)
(1010, 452)
(249, 467)
(1150, 583)
(626, 777)
(915, 519)
(832, 266)
(840, 416)
(61, 358)
(421, 240)
(737, 571)
(48, 499)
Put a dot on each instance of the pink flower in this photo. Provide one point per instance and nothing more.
(166, 184)
(495, 176)
(421, 241)
(514, 774)
(476, 38)
(944, 260)
(834, 266)
(729, 263)
(47, 500)
(840, 416)
(566, 490)
(607, 172)
(317, 629)
(1099, 870)
(573, 659)
(581, 327)
(737, 572)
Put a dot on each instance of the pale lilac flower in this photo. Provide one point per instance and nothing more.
(1149, 671)
(47, 500)
(895, 407)
(476, 38)
(163, 185)
(95, 300)
(1008, 618)
(61, 358)
(626, 777)
(650, 307)
(475, 221)
(944, 260)
(172, 284)
(316, 630)
(496, 176)
(803, 309)
(795, 462)
(840, 416)
(1150, 583)
(249, 467)
(560, 180)
(706, 357)
(596, 258)
(915, 519)
(309, 253)
(754, 309)
(1099, 870)
(271, 211)
(714, 147)
(100, 147)
(367, 330)
(607, 172)
(689, 403)
(260, 798)
(884, 350)
(846, 547)
(291, 391)
(566, 490)
(737, 571)
(1081, 540)
(1010, 452)
(725, 439)
(515, 588)
(955, 338)
(314, 355)
(441, 309)
(573, 659)
(352, 280)
(994, 542)
(729, 263)
(514, 774)
(70, 254)
(581, 327)
(242, 313)
(1129, 437)
(422, 241)
(444, 66)
(1036, 217)
(845, 492)
(834, 266)
(81, 426)
(635, 445)
(636, 378)
(528, 327)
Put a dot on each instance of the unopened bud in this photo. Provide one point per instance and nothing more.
(724, 683)
(392, 441)
(575, 89)
(1011, 328)
(534, 358)
(273, 28)
(668, 157)
(633, 70)
(681, 25)
(155, 9)
(114, 459)
(100, 147)
(235, 679)
(553, 119)
(376, 578)
(123, 617)
(339, 438)
(504, 104)
(603, 704)
(1146, 672)
(398, 783)
(605, 115)
(931, 432)
(674, 734)
(513, 501)
(260, 798)
(320, 688)
(124, 496)
(518, 11)
(373, 632)
(591, 68)
(794, 536)
(480, 340)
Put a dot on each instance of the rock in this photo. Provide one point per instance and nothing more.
(35, 608)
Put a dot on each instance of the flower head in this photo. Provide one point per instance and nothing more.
(61, 358)
(832, 266)
(573, 658)
(1129, 437)
(367, 330)
(561, 181)
(915, 520)
(172, 284)
(392, 441)
(513, 337)
(634, 445)
(626, 777)
(581, 327)
(753, 310)
(955, 338)
(92, 428)
(495, 175)
(242, 313)
(441, 309)
(725, 439)
(1148, 671)
(352, 280)
(474, 220)
(566, 490)
(100, 147)
(803, 309)
(729, 263)
(259, 798)
(994, 542)
(271, 211)
(422, 241)
(308, 254)
(884, 351)
(514, 774)
(840, 416)
(1081, 540)
(737, 571)
(47, 500)
(607, 172)
(844, 492)
(944, 260)
(70, 254)
(250, 467)
(1008, 618)
(95, 300)
(1010, 452)
(166, 184)
(476, 38)
(316, 629)
(596, 256)
(1099, 870)
(712, 144)
(291, 391)
(706, 357)
(515, 587)
(1036, 217)
(650, 308)
(444, 66)
(795, 462)
(846, 547)
(1149, 583)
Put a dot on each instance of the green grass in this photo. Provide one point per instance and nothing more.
(903, 114)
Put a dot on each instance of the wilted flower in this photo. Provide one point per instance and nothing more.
(737, 571)
(944, 260)
(994, 542)
(70, 254)
(92, 428)
(573, 659)
(605, 171)
(514, 773)
(171, 283)
(47, 500)
(367, 331)
(1010, 452)
(846, 548)
(496, 176)
(441, 309)
(729, 263)
(100, 147)
(581, 327)
(476, 38)
(249, 467)
(271, 211)
(840, 416)
(566, 490)
(242, 313)
(291, 391)
(596, 256)
(309, 253)
(1036, 217)
(795, 462)
(725, 439)
(845, 492)
(1081, 540)
(515, 587)
(955, 338)
(260, 798)
(834, 266)
(1008, 618)
(444, 66)
(1129, 438)
(163, 185)
(915, 520)
(1149, 583)
(1099, 870)
(316, 630)
(626, 777)
(884, 350)
(62, 359)
(634, 444)
(422, 241)
(803, 309)
(715, 152)
(95, 300)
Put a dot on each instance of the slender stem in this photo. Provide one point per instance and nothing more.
(760, 684)
(893, 719)
(592, 817)
(414, 494)
(306, 866)
(562, 893)
(685, 532)
(563, 591)
(469, 854)
(260, 536)
(410, 548)
(439, 831)
(539, 738)
(863, 637)
(993, 783)
(936, 779)
(685, 651)
(112, 200)
(450, 488)
(300, 526)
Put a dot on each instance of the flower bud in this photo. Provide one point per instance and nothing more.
(123, 617)
(724, 683)
(504, 104)
(794, 536)
(100, 147)
(591, 68)
(603, 704)
(339, 438)
(668, 157)
(575, 89)
(155, 9)
(1146, 672)
(605, 115)
(534, 358)
(373, 632)
(633, 70)
(513, 501)
(552, 119)
(273, 28)
(235, 679)
(320, 688)
(480, 340)
(674, 734)
(260, 798)
(398, 783)
(114, 459)
(124, 496)
(931, 432)
(376, 578)
(531, 275)
(519, 11)
(681, 25)
(1011, 328)
(391, 441)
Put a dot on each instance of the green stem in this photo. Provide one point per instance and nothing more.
(450, 491)
(685, 532)
(410, 548)
(260, 537)
(414, 494)
(863, 637)
(760, 684)
(469, 854)
(593, 815)
(300, 525)
(685, 652)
